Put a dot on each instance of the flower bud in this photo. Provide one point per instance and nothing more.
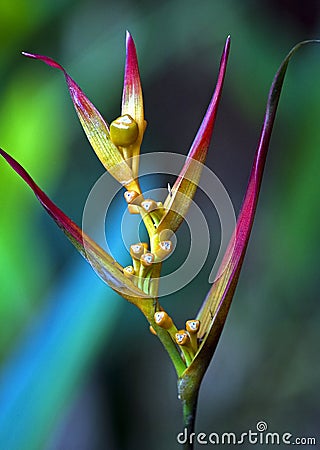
(164, 249)
(149, 205)
(192, 326)
(124, 131)
(136, 250)
(163, 320)
(130, 196)
(128, 271)
(182, 338)
(147, 259)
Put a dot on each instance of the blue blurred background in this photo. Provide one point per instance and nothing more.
(79, 368)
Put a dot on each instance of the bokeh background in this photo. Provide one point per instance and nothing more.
(79, 368)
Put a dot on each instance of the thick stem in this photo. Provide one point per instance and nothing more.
(188, 395)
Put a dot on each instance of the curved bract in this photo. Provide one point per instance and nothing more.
(214, 310)
(180, 197)
(108, 269)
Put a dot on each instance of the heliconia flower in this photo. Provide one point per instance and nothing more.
(191, 349)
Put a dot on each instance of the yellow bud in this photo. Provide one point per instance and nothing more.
(128, 271)
(147, 259)
(130, 196)
(136, 250)
(149, 205)
(163, 249)
(192, 326)
(163, 320)
(182, 338)
(124, 131)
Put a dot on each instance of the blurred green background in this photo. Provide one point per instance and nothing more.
(79, 368)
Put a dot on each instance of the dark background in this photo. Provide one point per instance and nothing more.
(79, 369)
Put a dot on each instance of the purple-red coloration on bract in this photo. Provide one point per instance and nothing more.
(96, 129)
(183, 190)
(109, 270)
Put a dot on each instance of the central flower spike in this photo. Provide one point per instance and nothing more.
(118, 148)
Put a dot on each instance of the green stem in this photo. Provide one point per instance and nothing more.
(148, 310)
(162, 334)
(188, 394)
(171, 348)
(154, 284)
(187, 355)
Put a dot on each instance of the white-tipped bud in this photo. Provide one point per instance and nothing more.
(147, 259)
(182, 338)
(192, 326)
(129, 271)
(130, 196)
(136, 250)
(163, 320)
(164, 249)
(149, 205)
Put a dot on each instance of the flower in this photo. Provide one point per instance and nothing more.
(118, 148)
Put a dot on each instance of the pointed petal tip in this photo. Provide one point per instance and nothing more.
(49, 61)
(29, 55)
(227, 45)
(130, 45)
